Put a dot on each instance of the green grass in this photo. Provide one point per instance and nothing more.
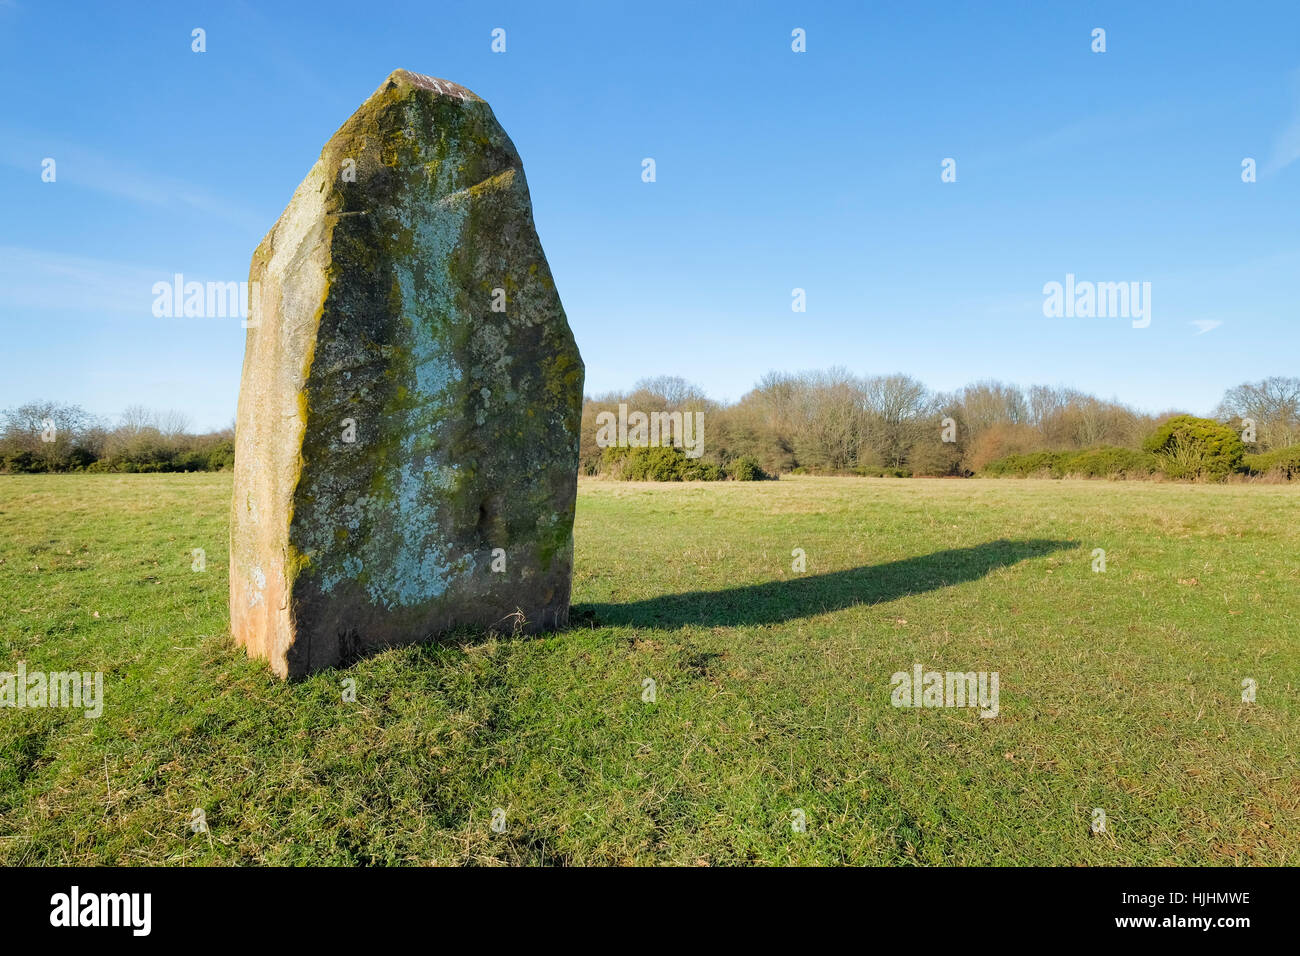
(1119, 690)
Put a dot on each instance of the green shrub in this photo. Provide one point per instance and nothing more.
(655, 464)
(1194, 448)
(746, 468)
(1107, 461)
(1022, 466)
(693, 469)
(662, 463)
(81, 458)
(190, 461)
(221, 455)
(1280, 463)
(25, 463)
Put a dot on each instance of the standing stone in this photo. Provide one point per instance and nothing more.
(411, 396)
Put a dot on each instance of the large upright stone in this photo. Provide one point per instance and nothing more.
(411, 395)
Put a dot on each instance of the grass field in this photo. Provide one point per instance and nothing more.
(1119, 690)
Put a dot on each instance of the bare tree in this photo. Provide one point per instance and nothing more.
(674, 390)
(173, 424)
(136, 419)
(899, 410)
(985, 404)
(1272, 403)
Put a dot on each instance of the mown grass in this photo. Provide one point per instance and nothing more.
(1119, 690)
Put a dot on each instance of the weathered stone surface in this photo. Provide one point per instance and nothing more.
(373, 313)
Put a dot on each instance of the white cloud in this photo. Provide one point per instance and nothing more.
(33, 279)
(80, 167)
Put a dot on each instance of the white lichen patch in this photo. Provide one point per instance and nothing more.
(256, 586)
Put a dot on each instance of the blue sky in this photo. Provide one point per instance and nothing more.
(775, 170)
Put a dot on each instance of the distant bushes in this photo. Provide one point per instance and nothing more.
(25, 462)
(655, 464)
(669, 463)
(1024, 465)
(50, 437)
(1107, 461)
(1184, 448)
(882, 472)
(199, 453)
(1281, 463)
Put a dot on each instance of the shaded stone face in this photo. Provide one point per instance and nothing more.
(407, 438)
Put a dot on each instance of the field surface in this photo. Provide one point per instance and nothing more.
(1119, 690)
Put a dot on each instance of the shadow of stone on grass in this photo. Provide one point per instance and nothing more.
(776, 601)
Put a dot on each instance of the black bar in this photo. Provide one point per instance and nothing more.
(952, 906)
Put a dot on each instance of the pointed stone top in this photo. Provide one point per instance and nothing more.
(423, 81)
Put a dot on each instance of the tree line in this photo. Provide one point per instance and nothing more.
(838, 423)
(821, 422)
(48, 436)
